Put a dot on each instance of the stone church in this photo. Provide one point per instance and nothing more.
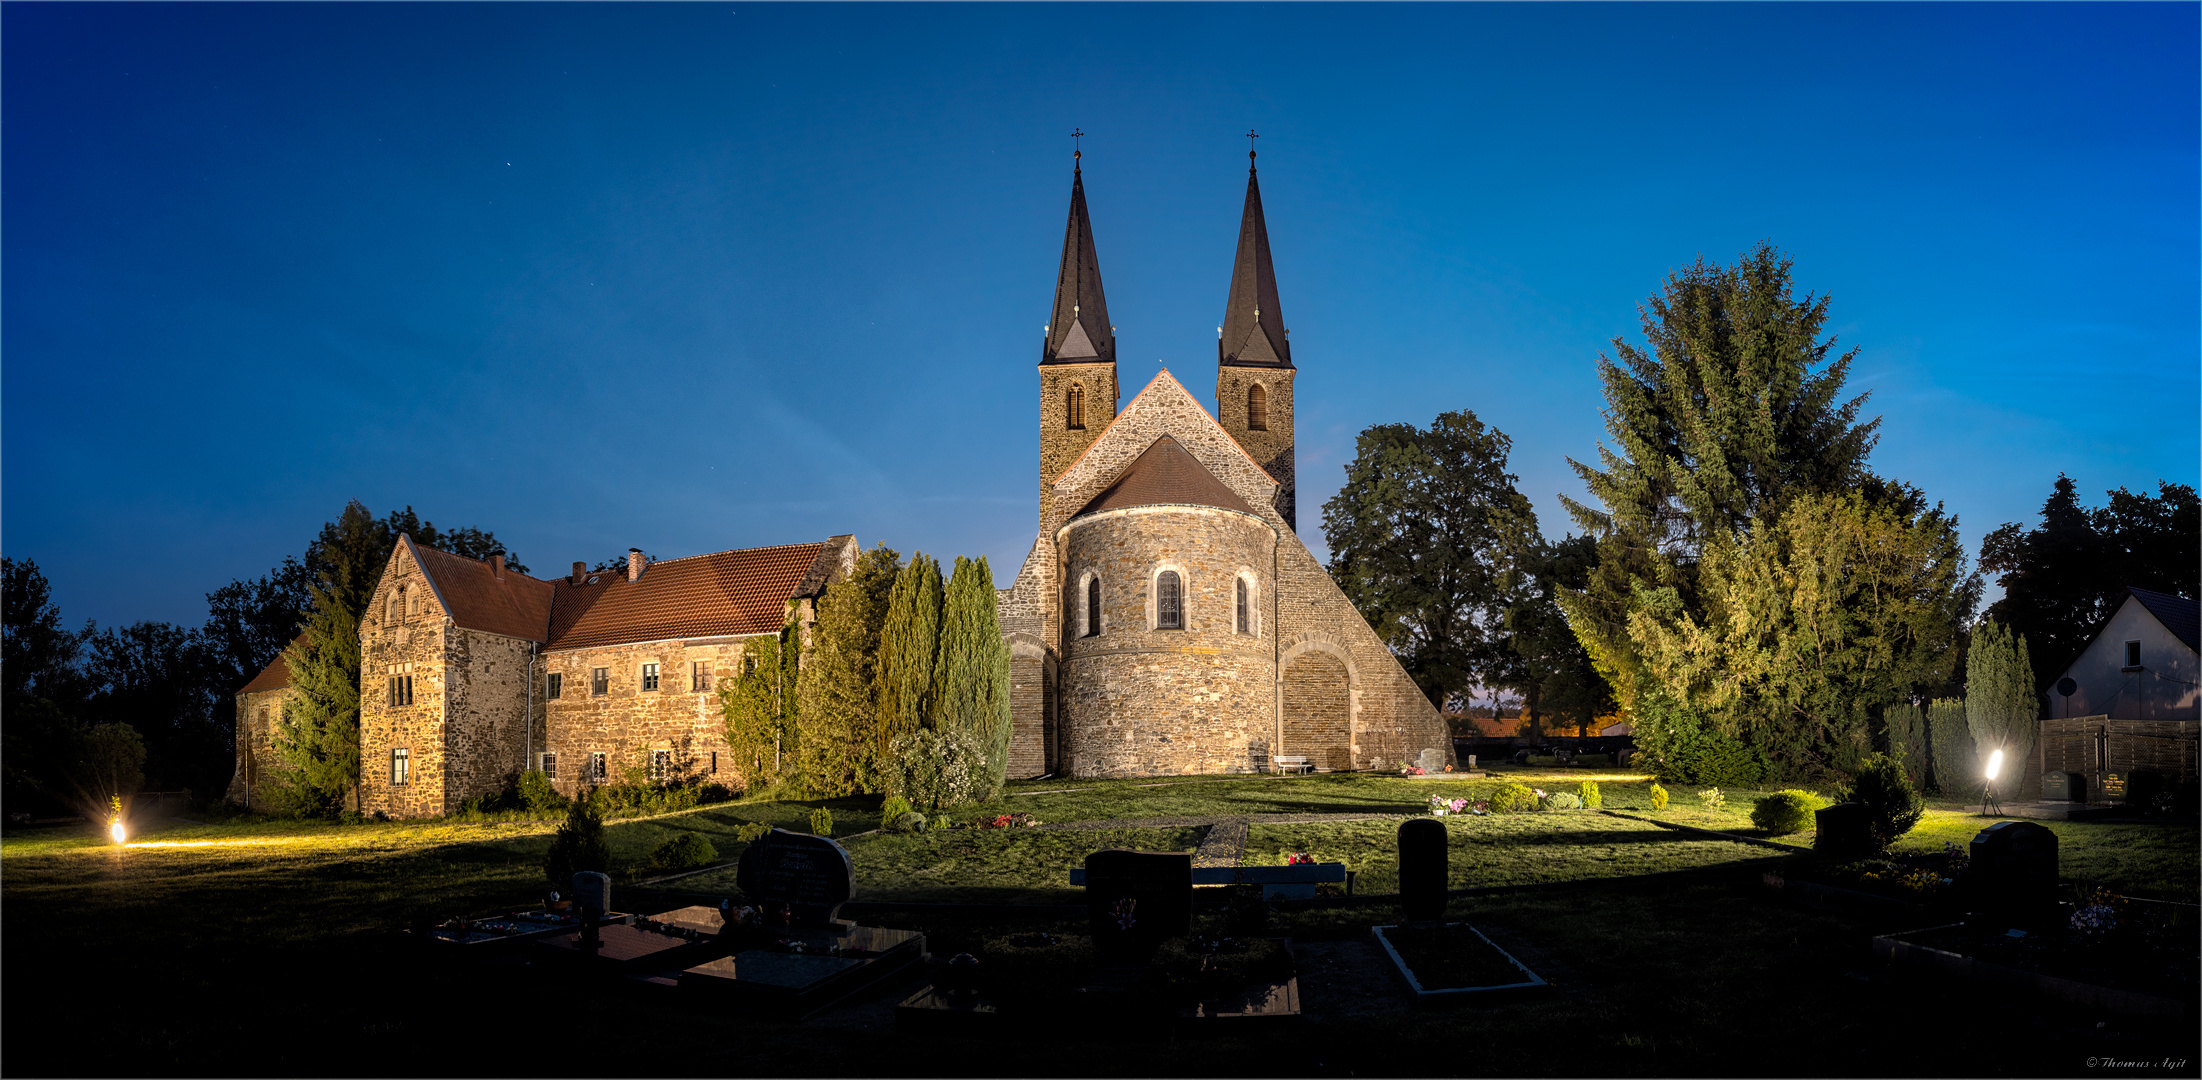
(1168, 620)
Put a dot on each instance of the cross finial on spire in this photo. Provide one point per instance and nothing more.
(1250, 137)
(1075, 147)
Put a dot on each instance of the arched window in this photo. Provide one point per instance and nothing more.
(397, 604)
(1257, 408)
(1246, 617)
(1093, 607)
(1169, 611)
(1074, 407)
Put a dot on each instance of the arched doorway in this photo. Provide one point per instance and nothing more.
(1318, 711)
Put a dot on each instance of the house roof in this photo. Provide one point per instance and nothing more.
(477, 596)
(2177, 613)
(275, 676)
(728, 592)
(1165, 474)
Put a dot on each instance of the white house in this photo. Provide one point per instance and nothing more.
(2142, 664)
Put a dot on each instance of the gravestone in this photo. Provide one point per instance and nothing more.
(2063, 787)
(1423, 869)
(592, 898)
(2014, 870)
(1471, 762)
(807, 877)
(1844, 830)
(1562, 756)
(1621, 758)
(1521, 757)
(1431, 761)
(1135, 900)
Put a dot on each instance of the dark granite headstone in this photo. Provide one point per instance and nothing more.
(2014, 870)
(1135, 900)
(1844, 830)
(1423, 869)
(2114, 787)
(809, 876)
(592, 890)
(2063, 787)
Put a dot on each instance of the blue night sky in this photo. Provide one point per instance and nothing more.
(708, 276)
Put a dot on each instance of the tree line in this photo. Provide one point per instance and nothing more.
(1744, 586)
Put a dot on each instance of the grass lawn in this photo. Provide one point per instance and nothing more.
(989, 866)
(1503, 849)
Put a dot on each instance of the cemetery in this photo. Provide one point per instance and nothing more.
(1188, 926)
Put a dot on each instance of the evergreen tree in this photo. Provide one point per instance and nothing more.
(2001, 708)
(760, 709)
(1951, 742)
(1560, 688)
(970, 676)
(908, 646)
(1734, 412)
(839, 729)
(1907, 734)
(317, 737)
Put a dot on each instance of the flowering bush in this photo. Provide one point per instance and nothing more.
(1005, 821)
(1441, 806)
(1299, 858)
(1712, 798)
(1412, 770)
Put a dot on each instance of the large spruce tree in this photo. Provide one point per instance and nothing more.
(1733, 411)
(839, 731)
(317, 739)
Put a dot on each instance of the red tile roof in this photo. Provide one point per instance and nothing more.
(1165, 474)
(730, 592)
(476, 597)
(275, 676)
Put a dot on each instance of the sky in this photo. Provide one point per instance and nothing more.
(707, 276)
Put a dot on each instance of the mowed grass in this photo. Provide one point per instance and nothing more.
(990, 866)
(1503, 849)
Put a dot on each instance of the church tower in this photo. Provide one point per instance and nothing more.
(1254, 355)
(1078, 355)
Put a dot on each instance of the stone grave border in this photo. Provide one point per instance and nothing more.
(1447, 995)
(1893, 949)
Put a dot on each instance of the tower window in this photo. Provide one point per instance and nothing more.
(1245, 616)
(1257, 408)
(401, 765)
(1169, 610)
(1074, 407)
(1093, 607)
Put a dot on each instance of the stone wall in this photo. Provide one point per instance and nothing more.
(1317, 711)
(1061, 444)
(411, 637)
(257, 716)
(628, 723)
(486, 697)
(1139, 700)
(1272, 448)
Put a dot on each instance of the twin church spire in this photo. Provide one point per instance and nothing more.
(1079, 331)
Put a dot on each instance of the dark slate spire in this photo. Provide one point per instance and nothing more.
(1079, 331)
(1253, 323)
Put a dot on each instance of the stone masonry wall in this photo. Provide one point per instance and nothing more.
(1061, 444)
(1271, 449)
(627, 722)
(415, 636)
(486, 697)
(257, 714)
(1141, 701)
(1317, 711)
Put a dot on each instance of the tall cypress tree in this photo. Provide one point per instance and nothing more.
(2000, 705)
(839, 731)
(908, 644)
(317, 742)
(970, 677)
(1734, 411)
(1951, 743)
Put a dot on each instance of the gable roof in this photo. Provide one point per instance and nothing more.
(477, 596)
(2177, 613)
(1165, 474)
(275, 676)
(725, 593)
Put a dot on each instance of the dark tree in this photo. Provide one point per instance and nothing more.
(1421, 540)
(38, 658)
(160, 679)
(1551, 670)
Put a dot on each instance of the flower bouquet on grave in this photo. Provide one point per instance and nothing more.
(1299, 858)
(1412, 770)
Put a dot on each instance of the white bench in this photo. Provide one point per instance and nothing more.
(1277, 882)
(1293, 763)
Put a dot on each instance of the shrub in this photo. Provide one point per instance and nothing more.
(911, 822)
(1712, 798)
(1587, 791)
(1561, 800)
(935, 769)
(821, 822)
(1658, 797)
(684, 851)
(1892, 806)
(1786, 811)
(537, 794)
(938, 823)
(1512, 798)
(578, 845)
(752, 831)
(892, 812)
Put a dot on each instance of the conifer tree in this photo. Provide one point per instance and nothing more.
(317, 741)
(839, 731)
(1950, 741)
(970, 677)
(1907, 732)
(908, 645)
(2001, 708)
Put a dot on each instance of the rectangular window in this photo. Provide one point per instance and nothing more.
(550, 766)
(401, 690)
(600, 681)
(1169, 610)
(649, 676)
(596, 768)
(553, 684)
(714, 763)
(401, 761)
(699, 676)
(2133, 656)
(661, 766)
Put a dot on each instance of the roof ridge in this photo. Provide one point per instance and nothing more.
(1204, 414)
(728, 551)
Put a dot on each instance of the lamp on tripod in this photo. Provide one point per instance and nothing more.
(1987, 790)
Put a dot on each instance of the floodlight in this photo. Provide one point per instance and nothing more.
(115, 830)
(1995, 764)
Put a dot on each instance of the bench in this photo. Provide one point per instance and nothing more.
(1293, 763)
(1277, 882)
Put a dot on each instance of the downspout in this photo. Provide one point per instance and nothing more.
(527, 719)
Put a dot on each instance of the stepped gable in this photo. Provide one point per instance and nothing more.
(1165, 475)
(485, 596)
(721, 594)
(2177, 613)
(275, 676)
(1164, 408)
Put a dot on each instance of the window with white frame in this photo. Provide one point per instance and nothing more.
(548, 762)
(597, 771)
(650, 676)
(600, 681)
(401, 765)
(661, 766)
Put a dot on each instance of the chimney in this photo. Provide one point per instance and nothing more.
(497, 566)
(634, 564)
(579, 569)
